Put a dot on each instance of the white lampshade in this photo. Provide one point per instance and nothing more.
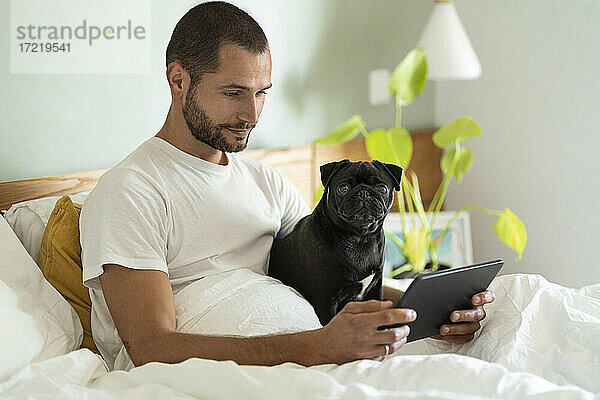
(448, 49)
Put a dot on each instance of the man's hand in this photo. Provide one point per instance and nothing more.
(352, 334)
(466, 322)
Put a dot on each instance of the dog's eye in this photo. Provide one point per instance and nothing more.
(343, 189)
(382, 188)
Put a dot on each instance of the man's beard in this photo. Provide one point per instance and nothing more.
(204, 130)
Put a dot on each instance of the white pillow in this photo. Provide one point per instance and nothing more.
(36, 322)
(28, 219)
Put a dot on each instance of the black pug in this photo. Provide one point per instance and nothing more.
(335, 255)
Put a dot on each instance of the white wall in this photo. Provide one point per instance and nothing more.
(538, 104)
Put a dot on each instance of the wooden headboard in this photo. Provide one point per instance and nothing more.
(300, 164)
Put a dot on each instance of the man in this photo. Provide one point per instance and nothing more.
(183, 206)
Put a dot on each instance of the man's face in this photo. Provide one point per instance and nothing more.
(224, 107)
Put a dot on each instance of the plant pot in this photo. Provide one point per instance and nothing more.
(414, 274)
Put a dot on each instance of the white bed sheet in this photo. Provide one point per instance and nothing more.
(81, 374)
(538, 342)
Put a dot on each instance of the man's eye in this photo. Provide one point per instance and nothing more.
(231, 94)
(262, 92)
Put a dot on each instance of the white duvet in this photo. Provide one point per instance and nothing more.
(539, 341)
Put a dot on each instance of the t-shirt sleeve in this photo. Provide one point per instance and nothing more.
(123, 221)
(292, 205)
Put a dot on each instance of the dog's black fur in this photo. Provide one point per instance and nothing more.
(331, 251)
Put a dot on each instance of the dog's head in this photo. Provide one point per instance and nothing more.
(358, 195)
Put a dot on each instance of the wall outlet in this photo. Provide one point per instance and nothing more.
(378, 93)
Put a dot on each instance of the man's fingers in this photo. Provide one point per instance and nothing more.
(391, 336)
(356, 307)
(395, 346)
(455, 338)
(381, 312)
(377, 352)
(466, 322)
(482, 298)
(391, 317)
(459, 329)
(476, 314)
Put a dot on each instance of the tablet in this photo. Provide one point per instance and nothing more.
(435, 295)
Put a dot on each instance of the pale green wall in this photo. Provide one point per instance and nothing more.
(537, 103)
(322, 53)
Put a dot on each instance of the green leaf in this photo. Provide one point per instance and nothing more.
(416, 244)
(318, 194)
(461, 129)
(343, 133)
(465, 160)
(511, 230)
(401, 269)
(393, 146)
(408, 79)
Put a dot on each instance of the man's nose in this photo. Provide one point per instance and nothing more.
(250, 112)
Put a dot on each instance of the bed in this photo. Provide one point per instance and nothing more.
(539, 341)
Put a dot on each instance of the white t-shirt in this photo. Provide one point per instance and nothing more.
(166, 210)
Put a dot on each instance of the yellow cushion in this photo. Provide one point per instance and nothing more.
(60, 262)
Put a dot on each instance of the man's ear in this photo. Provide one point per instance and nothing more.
(178, 79)
(393, 170)
(329, 169)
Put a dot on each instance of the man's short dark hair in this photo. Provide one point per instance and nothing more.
(201, 32)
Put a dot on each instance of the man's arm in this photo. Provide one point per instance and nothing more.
(141, 304)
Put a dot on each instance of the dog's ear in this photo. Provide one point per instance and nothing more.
(393, 170)
(329, 169)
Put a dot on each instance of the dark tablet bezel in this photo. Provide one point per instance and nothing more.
(435, 295)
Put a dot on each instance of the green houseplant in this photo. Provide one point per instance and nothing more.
(394, 145)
